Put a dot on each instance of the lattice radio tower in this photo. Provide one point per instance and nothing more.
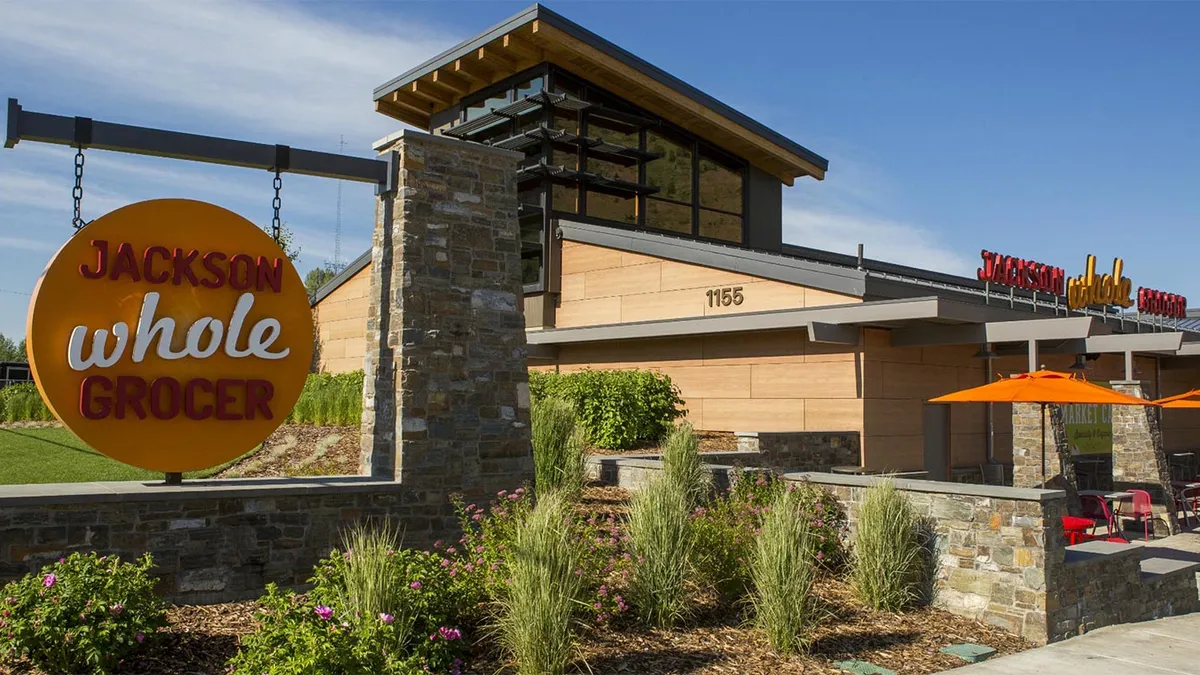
(337, 231)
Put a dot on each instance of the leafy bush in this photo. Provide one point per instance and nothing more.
(558, 448)
(682, 465)
(726, 529)
(783, 569)
(544, 590)
(23, 403)
(85, 612)
(661, 540)
(411, 626)
(618, 408)
(889, 559)
(330, 400)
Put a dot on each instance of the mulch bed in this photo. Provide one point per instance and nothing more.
(200, 640)
(708, 441)
(292, 451)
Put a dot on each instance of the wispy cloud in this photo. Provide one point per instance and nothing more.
(852, 206)
(45, 191)
(270, 66)
(22, 244)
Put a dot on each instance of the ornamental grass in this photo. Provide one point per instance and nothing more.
(543, 591)
(783, 568)
(661, 540)
(682, 465)
(889, 558)
(372, 585)
(559, 452)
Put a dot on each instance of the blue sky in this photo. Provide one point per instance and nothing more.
(1044, 130)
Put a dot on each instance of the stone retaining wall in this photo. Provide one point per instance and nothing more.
(803, 450)
(989, 545)
(212, 541)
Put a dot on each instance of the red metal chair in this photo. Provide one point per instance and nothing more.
(1075, 529)
(1096, 510)
(1142, 511)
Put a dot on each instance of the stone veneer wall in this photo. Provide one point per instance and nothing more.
(1028, 446)
(990, 545)
(803, 450)
(446, 397)
(1100, 583)
(212, 541)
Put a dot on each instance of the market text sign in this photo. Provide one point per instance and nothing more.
(1009, 271)
(171, 334)
(1105, 289)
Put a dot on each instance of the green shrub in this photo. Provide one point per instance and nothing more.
(618, 409)
(726, 528)
(889, 559)
(682, 464)
(783, 569)
(330, 400)
(558, 448)
(661, 541)
(544, 590)
(23, 403)
(410, 628)
(85, 612)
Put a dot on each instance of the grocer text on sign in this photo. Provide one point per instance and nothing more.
(1160, 303)
(171, 334)
(1028, 274)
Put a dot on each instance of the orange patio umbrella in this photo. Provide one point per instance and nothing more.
(1045, 387)
(1190, 399)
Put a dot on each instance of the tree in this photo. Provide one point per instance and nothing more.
(287, 242)
(318, 277)
(11, 351)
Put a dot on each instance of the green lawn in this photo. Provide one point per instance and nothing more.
(55, 455)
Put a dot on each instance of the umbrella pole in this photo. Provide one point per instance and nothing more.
(1043, 416)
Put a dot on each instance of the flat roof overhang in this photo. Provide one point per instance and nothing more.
(817, 320)
(538, 35)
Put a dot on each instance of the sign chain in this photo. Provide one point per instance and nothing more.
(77, 193)
(276, 227)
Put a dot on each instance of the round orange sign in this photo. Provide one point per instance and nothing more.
(170, 334)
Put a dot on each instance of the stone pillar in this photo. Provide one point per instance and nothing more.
(1027, 447)
(1138, 458)
(446, 399)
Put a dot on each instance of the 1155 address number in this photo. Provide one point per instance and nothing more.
(724, 297)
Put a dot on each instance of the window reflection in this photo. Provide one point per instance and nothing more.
(529, 88)
(662, 215)
(610, 207)
(485, 106)
(720, 185)
(671, 173)
(723, 226)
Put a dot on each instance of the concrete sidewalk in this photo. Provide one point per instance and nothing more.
(1159, 647)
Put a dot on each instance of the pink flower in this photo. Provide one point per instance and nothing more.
(470, 567)
(449, 634)
(116, 609)
(820, 555)
(502, 493)
(324, 612)
(438, 543)
(386, 618)
(49, 580)
(495, 567)
(520, 491)
(479, 562)
(578, 573)
(597, 605)
(453, 573)
(603, 591)
(140, 637)
(514, 497)
(477, 517)
(62, 560)
(416, 585)
(470, 507)
(445, 562)
(451, 550)
(11, 600)
(390, 553)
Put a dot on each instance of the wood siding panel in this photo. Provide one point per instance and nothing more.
(340, 324)
(709, 381)
(749, 414)
(677, 275)
(658, 306)
(785, 346)
(585, 258)
(588, 312)
(833, 414)
(760, 296)
(634, 280)
(805, 380)
(572, 287)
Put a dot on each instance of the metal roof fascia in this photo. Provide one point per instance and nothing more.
(921, 308)
(538, 12)
(342, 277)
(1134, 342)
(766, 265)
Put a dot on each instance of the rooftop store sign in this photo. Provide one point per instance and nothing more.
(171, 334)
(1009, 271)
(1106, 289)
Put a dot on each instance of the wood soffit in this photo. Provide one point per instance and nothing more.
(415, 101)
